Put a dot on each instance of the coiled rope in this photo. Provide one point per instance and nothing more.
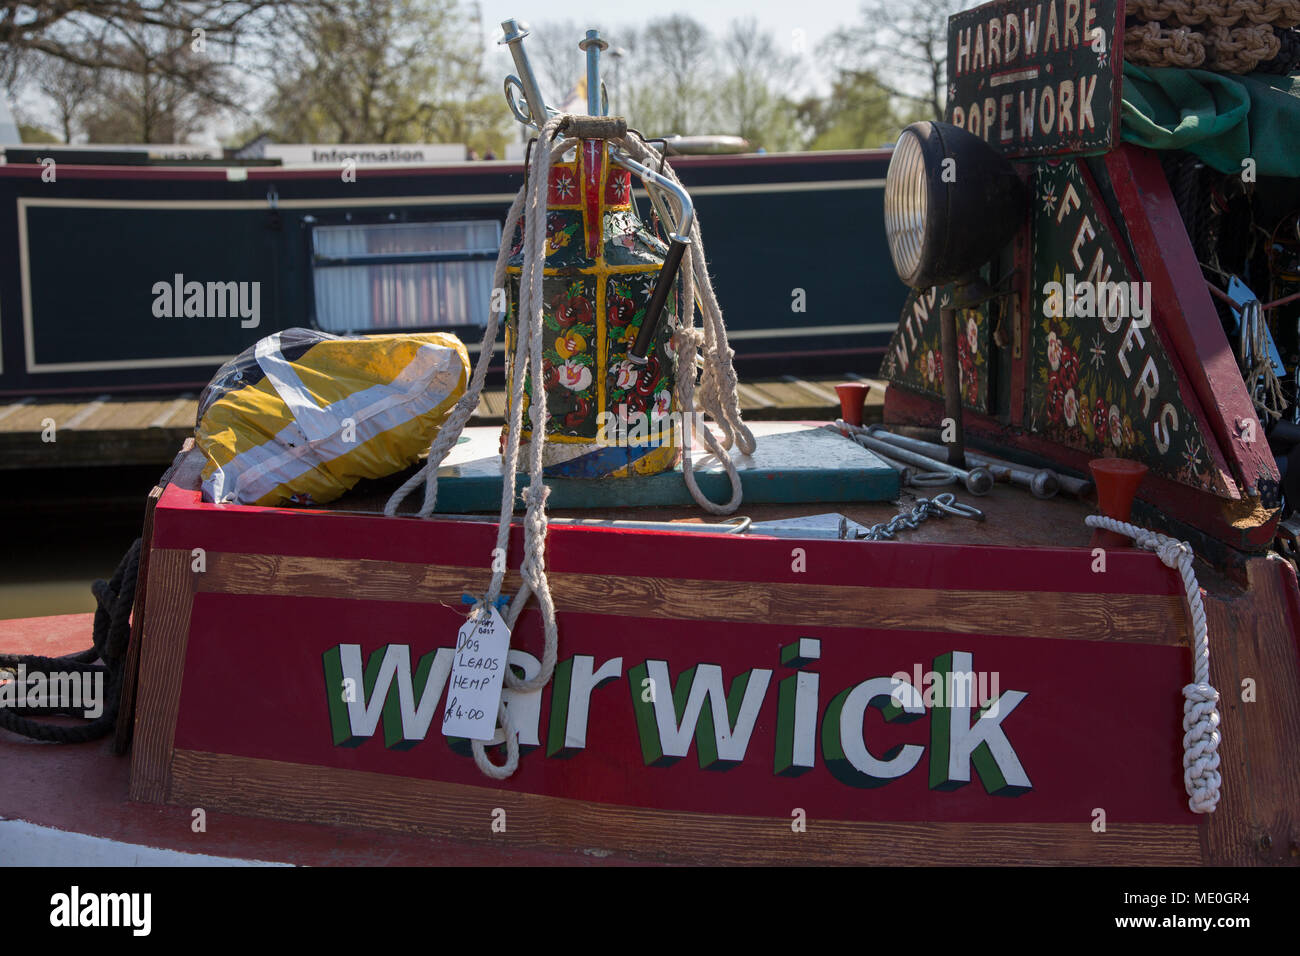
(1222, 13)
(1201, 736)
(1226, 36)
(1288, 54)
(112, 633)
(1154, 44)
(1240, 49)
(717, 397)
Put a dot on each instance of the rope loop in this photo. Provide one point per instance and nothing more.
(1227, 36)
(509, 736)
(717, 397)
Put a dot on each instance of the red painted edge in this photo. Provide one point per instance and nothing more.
(183, 521)
(73, 171)
(1169, 263)
(1161, 330)
(781, 159)
(1197, 508)
(84, 789)
(218, 173)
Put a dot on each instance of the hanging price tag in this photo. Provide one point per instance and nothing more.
(477, 670)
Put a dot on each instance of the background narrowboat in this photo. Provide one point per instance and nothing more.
(89, 250)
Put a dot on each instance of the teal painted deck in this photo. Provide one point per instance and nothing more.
(793, 463)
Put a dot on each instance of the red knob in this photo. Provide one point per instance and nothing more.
(853, 395)
(1117, 481)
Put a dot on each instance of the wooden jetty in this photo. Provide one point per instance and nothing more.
(105, 430)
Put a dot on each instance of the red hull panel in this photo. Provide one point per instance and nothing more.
(295, 664)
(1074, 734)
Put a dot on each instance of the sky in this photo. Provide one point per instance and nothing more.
(817, 19)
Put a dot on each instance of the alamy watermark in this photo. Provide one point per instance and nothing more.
(75, 908)
(623, 428)
(1104, 300)
(65, 690)
(948, 688)
(208, 300)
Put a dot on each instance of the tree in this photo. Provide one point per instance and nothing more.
(92, 33)
(385, 71)
(752, 99)
(70, 88)
(35, 134)
(150, 104)
(672, 58)
(860, 113)
(159, 92)
(557, 62)
(904, 40)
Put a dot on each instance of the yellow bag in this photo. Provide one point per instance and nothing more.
(303, 415)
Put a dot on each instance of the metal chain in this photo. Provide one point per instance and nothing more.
(925, 508)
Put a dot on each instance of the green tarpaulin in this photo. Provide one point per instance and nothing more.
(1221, 119)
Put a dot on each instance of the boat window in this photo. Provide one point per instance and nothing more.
(404, 275)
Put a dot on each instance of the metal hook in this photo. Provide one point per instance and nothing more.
(930, 479)
(948, 502)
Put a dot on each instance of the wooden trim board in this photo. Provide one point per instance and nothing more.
(301, 792)
(1148, 619)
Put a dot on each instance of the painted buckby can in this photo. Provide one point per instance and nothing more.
(601, 265)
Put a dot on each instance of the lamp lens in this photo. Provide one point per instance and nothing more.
(906, 205)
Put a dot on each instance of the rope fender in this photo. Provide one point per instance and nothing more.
(1201, 777)
(112, 633)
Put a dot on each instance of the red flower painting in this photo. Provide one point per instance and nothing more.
(1099, 419)
(621, 310)
(571, 311)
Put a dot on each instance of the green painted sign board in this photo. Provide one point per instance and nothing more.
(1100, 376)
(915, 359)
(1037, 78)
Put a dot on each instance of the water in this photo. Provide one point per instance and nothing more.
(61, 530)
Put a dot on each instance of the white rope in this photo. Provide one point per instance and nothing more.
(464, 409)
(718, 383)
(530, 203)
(1201, 736)
(717, 398)
(527, 357)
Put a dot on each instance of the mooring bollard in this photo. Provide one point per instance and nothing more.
(853, 396)
(1117, 481)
